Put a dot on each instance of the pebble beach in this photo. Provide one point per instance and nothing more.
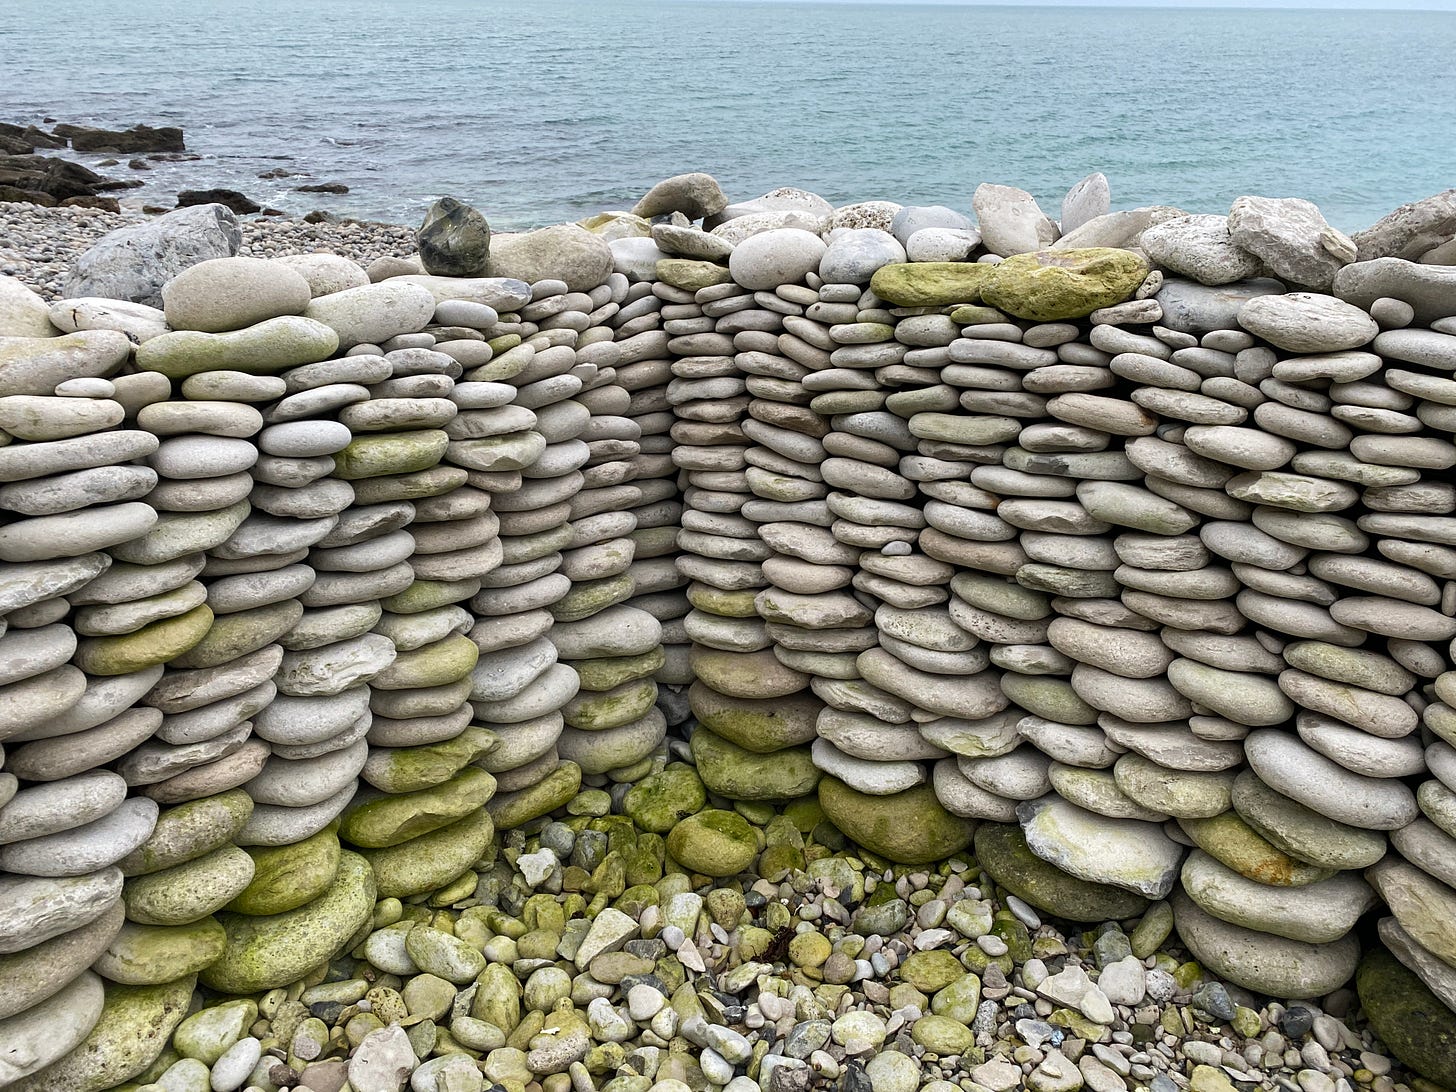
(38, 245)
(801, 651)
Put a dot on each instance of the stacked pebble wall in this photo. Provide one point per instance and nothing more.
(309, 602)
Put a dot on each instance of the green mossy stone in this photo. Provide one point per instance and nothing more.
(1002, 851)
(942, 1035)
(433, 481)
(187, 831)
(135, 1026)
(410, 769)
(1410, 1019)
(205, 1035)
(714, 843)
(959, 999)
(930, 284)
(745, 674)
(658, 802)
(379, 821)
(972, 314)
(153, 644)
(722, 602)
(776, 862)
(186, 892)
(374, 455)
(909, 827)
(425, 595)
(759, 725)
(150, 955)
(592, 597)
(598, 711)
(431, 861)
(729, 770)
(1055, 285)
(232, 636)
(805, 814)
(514, 809)
(614, 671)
(433, 665)
(930, 972)
(263, 953)
(1231, 841)
(690, 275)
(274, 345)
(286, 877)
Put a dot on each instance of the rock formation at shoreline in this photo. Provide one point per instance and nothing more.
(1121, 559)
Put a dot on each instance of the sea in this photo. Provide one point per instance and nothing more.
(539, 111)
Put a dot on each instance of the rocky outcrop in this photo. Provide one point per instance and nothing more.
(134, 262)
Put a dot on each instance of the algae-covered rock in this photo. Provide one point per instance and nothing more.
(409, 769)
(433, 860)
(690, 275)
(233, 635)
(759, 725)
(135, 1025)
(745, 674)
(206, 1035)
(714, 843)
(375, 454)
(150, 955)
(263, 953)
(600, 710)
(1054, 285)
(910, 827)
(264, 349)
(613, 671)
(187, 831)
(729, 770)
(376, 821)
(189, 891)
(931, 284)
(1002, 851)
(658, 802)
(152, 644)
(1227, 838)
(286, 877)
(514, 809)
(1411, 1020)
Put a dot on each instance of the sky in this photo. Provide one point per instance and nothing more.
(1367, 5)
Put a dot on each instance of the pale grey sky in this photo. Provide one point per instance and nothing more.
(1393, 6)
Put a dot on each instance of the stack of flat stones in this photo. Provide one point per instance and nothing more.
(518, 687)
(733, 391)
(1132, 574)
(611, 724)
(73, 489)
(1109, 576)
(643, 374)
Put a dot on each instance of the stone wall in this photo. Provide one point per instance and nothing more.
(1134, 586)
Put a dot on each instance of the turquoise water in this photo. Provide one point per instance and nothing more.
(543, 110)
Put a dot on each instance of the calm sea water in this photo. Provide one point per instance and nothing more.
(543, 110)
